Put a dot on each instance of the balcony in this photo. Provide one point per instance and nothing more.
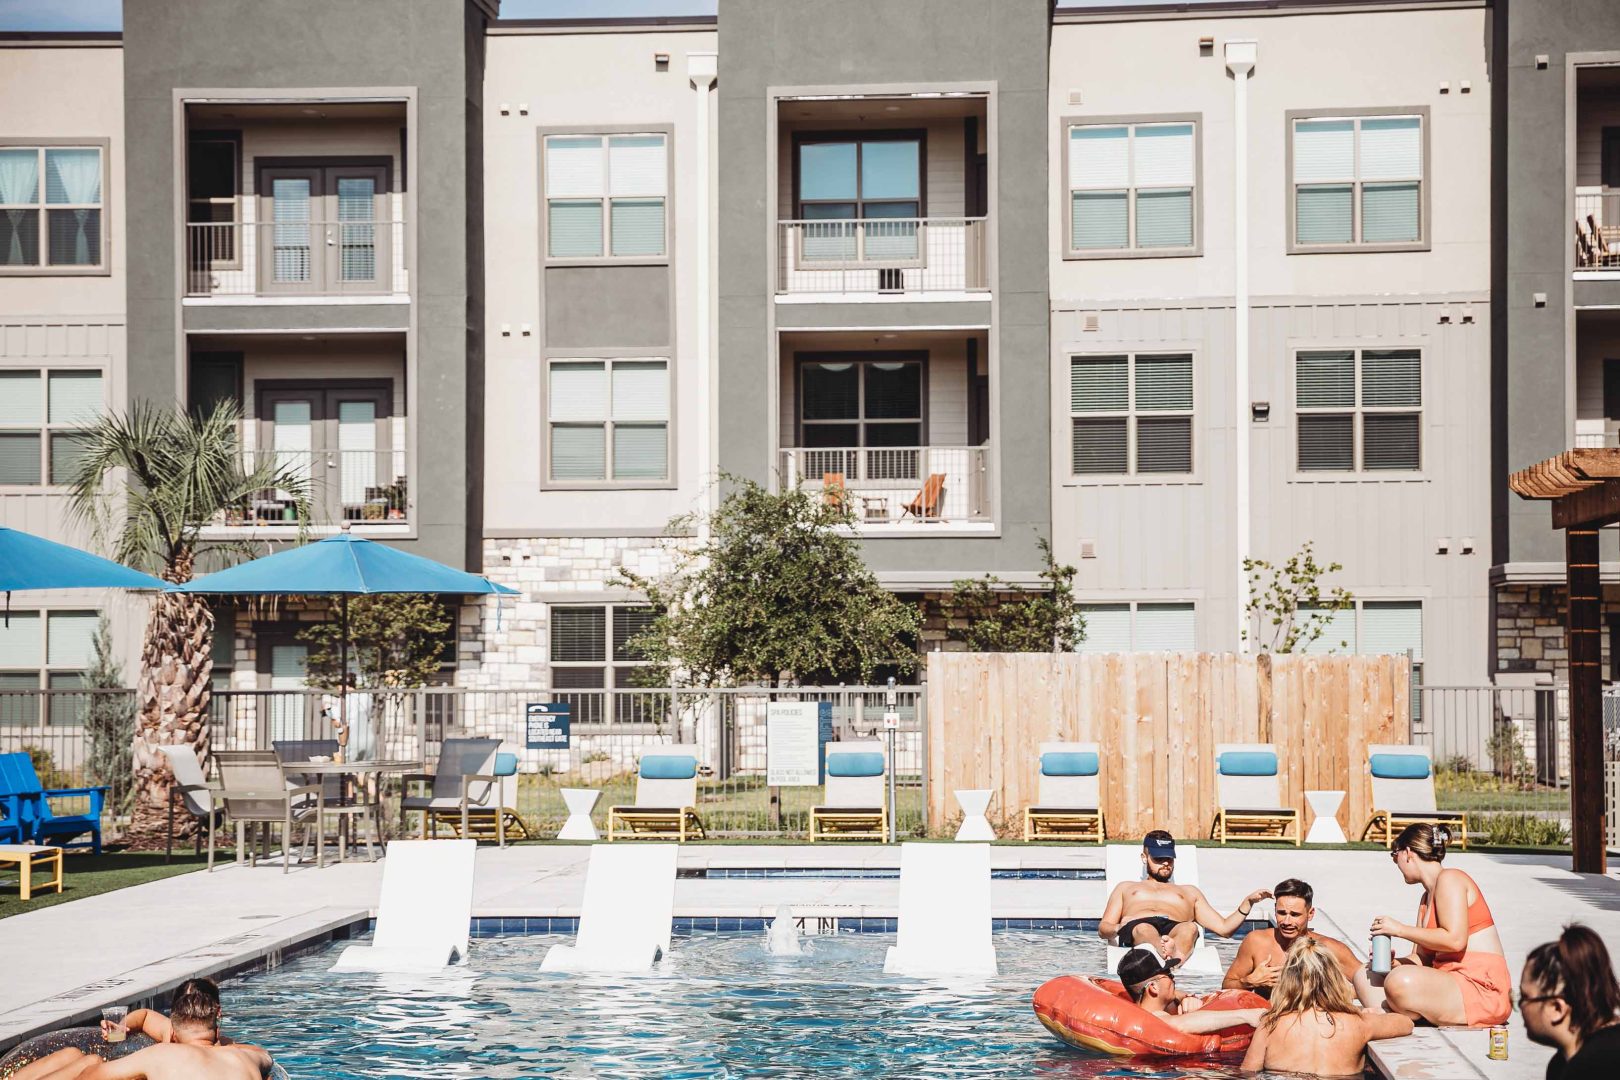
(359, 487)
(893, 487)
(357, 255)
(881, 255)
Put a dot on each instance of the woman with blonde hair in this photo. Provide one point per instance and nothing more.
(1456, 973)
(1313, 1025)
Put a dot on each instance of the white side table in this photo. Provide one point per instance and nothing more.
(975, 826)
(1325, 808)
(579, 802)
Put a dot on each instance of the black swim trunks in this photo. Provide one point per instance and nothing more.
(1162, 923)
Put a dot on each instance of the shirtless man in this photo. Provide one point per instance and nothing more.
(1162, 914)
(1151, 985)
(194, 1050)
(1261, 955)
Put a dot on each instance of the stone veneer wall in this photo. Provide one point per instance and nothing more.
(505, 644)
(1530, 628)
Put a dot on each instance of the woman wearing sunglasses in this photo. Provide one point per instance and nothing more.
(1570, 1001)
(1456, 973)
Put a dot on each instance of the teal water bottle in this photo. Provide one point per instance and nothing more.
(1381, 958)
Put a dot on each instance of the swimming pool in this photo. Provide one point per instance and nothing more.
(720, 1005)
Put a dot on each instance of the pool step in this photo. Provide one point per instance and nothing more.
(1426, 1054)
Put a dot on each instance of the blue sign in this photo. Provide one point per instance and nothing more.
(546, 726)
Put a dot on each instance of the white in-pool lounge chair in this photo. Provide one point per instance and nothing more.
(1070, 806)
(425, 910)
(666, 797)
(944, 914)
(1403, 794)
(627, 914)
(854, 803)
(1122, 863)
(1249, 794)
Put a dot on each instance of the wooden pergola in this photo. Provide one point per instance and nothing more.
(1584, 489)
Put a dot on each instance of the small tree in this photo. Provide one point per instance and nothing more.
(777, 592)
(109, 722)
(396, 641)
(1006, 618)
(1277, 593)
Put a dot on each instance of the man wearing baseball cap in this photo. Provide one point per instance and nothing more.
(1151, 982)
(1156, 911)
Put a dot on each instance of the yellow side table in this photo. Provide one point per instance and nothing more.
(27, 857)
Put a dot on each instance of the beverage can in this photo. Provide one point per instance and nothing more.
(1381, 957)
(1499, 1045)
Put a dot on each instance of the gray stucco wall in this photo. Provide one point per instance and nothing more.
(927, 42)
(1531, 387)
(434, 47)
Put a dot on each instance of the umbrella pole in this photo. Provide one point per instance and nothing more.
(343, 652)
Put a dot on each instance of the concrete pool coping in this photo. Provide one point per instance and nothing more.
(138, 942)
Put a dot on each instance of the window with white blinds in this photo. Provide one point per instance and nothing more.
(45, 650)
(1369, 627)
(606, 196)
(1359, 410)
(1131, 414)
(1358, 180)
(50, 208)
(1139, 627)
(41, 412)
(608, 420)
(1132, 187)
(592, 650)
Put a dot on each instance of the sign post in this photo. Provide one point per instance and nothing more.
(891, 725)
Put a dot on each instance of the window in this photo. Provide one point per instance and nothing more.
(40, 414)
(1131, 414)
(875, 177)
(45, 650)
(1132, 188)
(1138, 627)
(591, 650)
(1358, 180)
(861, 402)
(1369, 627)
(1359, 410)
(605, 196)
(609, 420)
(50, 207)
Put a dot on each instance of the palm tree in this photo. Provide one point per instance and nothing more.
(147, 483)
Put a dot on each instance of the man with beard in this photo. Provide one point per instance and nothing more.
(1160, 913)
(1262, 953)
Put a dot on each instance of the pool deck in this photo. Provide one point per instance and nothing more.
(63, 963)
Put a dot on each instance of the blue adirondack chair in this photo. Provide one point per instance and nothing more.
(28, 804)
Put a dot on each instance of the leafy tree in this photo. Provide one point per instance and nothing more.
(1277, 593)
(396, 641)
(147, 483)
(779, 591)
(1005, 618)
(109, 722)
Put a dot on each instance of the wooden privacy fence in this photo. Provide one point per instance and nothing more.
(1158, 717)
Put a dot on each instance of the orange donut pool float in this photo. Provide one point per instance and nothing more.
(1097, 1014)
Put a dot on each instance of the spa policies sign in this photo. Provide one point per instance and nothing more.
(792, 741)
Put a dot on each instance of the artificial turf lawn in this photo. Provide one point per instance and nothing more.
(87, 875)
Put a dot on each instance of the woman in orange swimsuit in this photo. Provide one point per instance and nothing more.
(1456, 973)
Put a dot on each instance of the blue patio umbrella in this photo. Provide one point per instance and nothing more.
(342, 566)
(29, 563)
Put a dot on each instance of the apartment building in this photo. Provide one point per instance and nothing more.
(1171, 286)
(1556, 276)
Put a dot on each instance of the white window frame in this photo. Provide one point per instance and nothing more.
(1135, 607)
(616, 673)
(46, 429)
(607, 424)
(1357, 412)
(1132, 123)
(1131, 414)
(1356, 244)
(1358, 606)
(607, 198)
(44, 671)
(45, 268)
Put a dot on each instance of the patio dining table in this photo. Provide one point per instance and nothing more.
(352, 771)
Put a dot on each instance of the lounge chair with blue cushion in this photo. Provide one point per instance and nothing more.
(25, 797)
(1070, 806)
(1403, 794)
(853, 805)
(666, 797)
(1248, 794)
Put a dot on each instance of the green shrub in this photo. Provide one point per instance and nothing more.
(1521, 830)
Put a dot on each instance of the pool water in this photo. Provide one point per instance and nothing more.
(718, 1006)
